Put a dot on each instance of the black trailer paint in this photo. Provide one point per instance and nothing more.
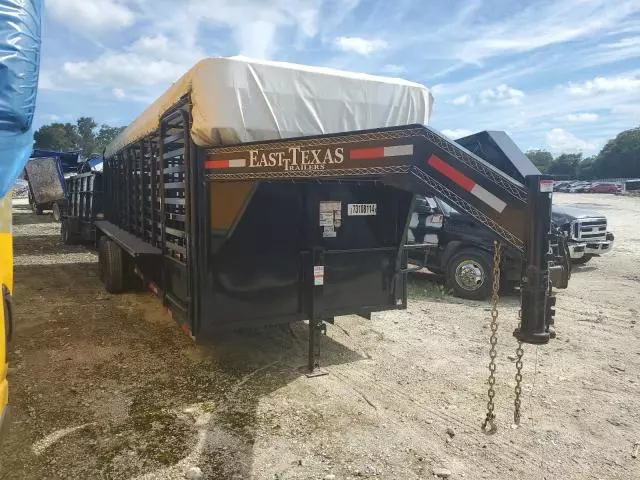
(301, 229)
(84, 207)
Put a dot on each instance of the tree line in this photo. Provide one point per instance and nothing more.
(84, 136)
(619, 158)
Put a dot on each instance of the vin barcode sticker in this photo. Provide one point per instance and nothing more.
(362, 209)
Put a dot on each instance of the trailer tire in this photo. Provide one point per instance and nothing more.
(57, 212)
(67, 235)
(111, 266)
(469, 274)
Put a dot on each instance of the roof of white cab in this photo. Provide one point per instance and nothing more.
(238, 100)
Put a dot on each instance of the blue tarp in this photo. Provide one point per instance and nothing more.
(20, 35)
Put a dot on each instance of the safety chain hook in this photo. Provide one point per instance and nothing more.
(489, 424)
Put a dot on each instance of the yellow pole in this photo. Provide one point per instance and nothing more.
(6, 281)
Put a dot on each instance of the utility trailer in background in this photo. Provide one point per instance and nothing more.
(45, 180)
(85, 206)
(309, 227)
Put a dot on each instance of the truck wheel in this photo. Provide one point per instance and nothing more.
(57, 212)
(111, 266)
(67, 235)
(582, 260)
(469, 274)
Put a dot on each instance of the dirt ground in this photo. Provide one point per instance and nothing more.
(106, 386)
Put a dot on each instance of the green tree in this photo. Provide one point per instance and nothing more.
(586, 169)
(81, 136)
(566, 164)
(540, 158)
(57, 136)
(105, 135)
(86, 127)
(620, 157)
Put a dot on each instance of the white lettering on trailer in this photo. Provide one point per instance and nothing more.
(362, 209)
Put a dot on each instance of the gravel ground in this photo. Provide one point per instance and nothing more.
(105, 386)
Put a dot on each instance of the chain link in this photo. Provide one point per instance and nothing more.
(489, 423)
(518, 388)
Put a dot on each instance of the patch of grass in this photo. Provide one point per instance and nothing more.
(419, 287)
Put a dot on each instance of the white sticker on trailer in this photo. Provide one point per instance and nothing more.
(362, 209)
(318, 275)
(546, 186)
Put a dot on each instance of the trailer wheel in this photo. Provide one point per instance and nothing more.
(36, 208)
(469, 274)
(57, 212)
(67, 236)
(111, 266)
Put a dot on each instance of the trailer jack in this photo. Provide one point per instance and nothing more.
(317, 328)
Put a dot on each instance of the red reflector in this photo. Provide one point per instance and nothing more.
(216, 164)
(366, 153)
(450, 172)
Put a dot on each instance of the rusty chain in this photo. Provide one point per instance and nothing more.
(518, 388)
(489, 424)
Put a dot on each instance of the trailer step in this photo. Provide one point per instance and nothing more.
(130, 243)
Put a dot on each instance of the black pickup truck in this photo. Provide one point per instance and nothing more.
(461, 249)
(455, 245)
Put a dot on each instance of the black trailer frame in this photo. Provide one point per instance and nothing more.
(257, 233)
(84, 206)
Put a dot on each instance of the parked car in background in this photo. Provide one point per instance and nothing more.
(579, 187)
(604, 188)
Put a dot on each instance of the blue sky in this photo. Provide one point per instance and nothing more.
(559, 74)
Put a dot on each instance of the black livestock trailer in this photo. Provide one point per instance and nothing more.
(299, 229)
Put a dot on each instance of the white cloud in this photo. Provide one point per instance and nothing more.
(392, 69)
(91, 16)
(604, 85)
(247, 36)
(361, 46)
(561, 140)
(124, 68)
(540, 24)
(456, 132)
(582, 117)
(502, 94)
(119, 93)
(465, 99)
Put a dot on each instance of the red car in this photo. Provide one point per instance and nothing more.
(604, 188)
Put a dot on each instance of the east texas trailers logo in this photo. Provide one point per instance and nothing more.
(298, 158)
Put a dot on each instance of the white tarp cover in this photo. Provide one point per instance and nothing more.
(241, 100)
